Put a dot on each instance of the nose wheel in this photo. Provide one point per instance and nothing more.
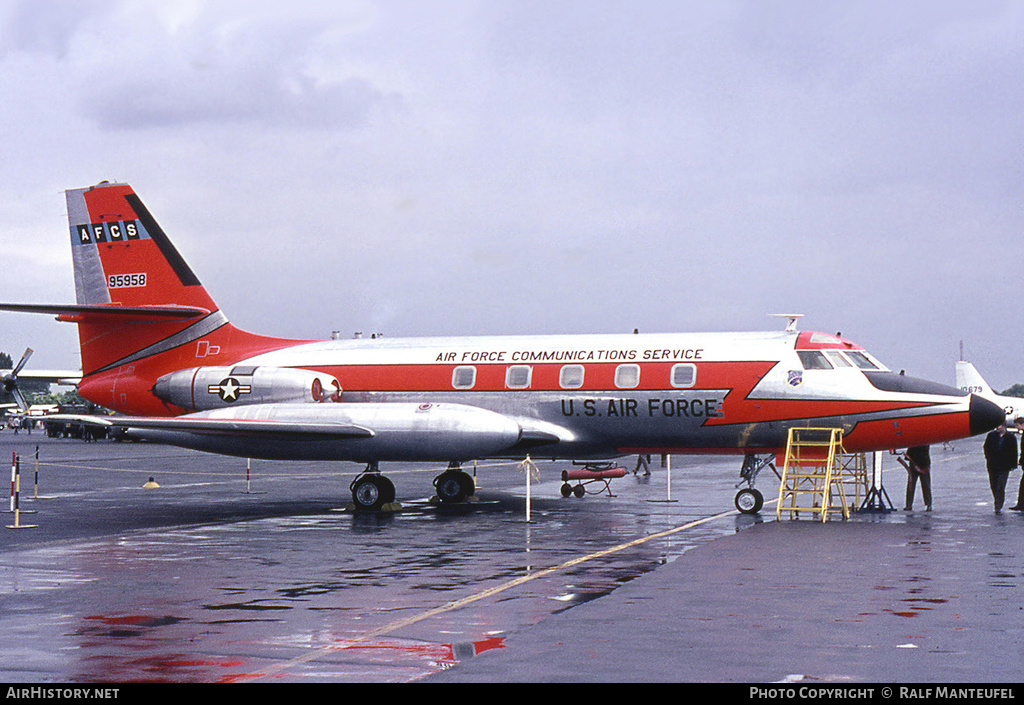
(749, 501)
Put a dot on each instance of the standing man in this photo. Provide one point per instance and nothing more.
(1019, 506)
(1000, 459)
(919, 465)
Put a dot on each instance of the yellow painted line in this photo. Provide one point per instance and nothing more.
(476, 597)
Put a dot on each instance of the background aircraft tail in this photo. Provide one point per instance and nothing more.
(141, 309)
(970, 380)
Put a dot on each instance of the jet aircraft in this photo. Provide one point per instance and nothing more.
(156, 348)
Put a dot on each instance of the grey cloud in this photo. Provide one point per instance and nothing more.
(207, 63)
(256, 96)
(46, 28)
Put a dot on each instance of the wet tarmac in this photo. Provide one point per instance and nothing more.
(213, 577)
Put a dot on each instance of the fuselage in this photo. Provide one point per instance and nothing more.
(599, 395)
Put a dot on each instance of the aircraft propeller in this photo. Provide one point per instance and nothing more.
(10, 380)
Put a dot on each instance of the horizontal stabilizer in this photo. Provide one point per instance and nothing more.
(78, 313)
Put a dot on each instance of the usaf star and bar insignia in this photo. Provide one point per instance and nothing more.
(229, 389)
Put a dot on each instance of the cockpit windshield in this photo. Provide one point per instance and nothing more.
(833, 359)
(863, 361)
(837, 359)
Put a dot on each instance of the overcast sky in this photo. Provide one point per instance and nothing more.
(450, 168)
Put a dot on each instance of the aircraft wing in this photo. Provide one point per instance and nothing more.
(245, 427)
(369, 432)
(227, 427)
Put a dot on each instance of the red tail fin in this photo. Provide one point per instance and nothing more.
(123, 257)
(142, 306)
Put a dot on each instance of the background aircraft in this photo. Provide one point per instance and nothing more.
(9, 379)
(969, 380)
(156, 347)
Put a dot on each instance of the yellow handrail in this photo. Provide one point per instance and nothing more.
(814, 465)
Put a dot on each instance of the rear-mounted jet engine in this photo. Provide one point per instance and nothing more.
(205, 388)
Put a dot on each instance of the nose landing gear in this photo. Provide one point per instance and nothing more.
(749, 500)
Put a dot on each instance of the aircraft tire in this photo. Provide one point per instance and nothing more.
(749, 501)
(566, 489)
(454, 486)
(372, 492)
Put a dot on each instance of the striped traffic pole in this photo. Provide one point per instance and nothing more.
(16, 491)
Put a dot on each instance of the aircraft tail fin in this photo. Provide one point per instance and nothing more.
(138, 300)
(969, 379)
(122, 256)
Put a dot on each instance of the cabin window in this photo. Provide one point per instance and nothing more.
(518, 376)
(814, 360)
(684, 376)
(464, 377)
(627, 376)
(571, 377)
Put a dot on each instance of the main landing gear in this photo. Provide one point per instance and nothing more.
(454, 485)
(372, 491)
(749, 500)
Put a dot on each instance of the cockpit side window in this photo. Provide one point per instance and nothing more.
(814, 360)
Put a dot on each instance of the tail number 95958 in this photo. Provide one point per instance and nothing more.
(121, 281)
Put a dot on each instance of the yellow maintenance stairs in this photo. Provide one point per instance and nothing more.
(818, 476)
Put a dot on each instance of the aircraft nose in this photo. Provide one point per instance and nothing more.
(984, 415)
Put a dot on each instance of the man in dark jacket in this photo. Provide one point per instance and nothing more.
(918, 464)
(1000, 459)
(1019, 506)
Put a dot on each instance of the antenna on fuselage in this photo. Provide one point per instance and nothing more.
(792, 319)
